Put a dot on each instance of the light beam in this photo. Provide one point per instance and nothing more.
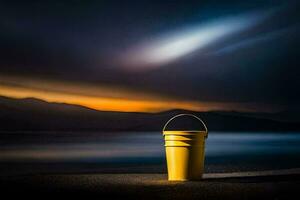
(173, 46)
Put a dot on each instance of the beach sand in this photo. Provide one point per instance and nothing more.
(276, 184)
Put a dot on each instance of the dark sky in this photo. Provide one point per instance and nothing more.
(218, 51)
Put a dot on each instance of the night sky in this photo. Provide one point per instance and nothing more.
(149, 56)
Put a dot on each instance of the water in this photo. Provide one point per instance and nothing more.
(140, 151)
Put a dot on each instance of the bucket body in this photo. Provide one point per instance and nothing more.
(185, 154)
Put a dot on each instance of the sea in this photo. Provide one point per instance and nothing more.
(47, 152)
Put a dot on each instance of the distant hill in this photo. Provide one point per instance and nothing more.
(32, 114)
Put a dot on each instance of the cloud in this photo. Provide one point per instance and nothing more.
(265, 37)
(175, 45)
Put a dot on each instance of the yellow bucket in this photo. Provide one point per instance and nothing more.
(185, 152)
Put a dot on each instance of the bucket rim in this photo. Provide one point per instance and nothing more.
(183, 132)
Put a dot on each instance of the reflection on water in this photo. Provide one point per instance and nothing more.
(147, 147)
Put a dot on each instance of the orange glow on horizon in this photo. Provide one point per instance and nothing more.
(107, 98)
(97, 103)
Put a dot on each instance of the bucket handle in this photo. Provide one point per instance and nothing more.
(180, 115)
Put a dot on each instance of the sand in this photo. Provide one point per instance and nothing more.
(276, 184)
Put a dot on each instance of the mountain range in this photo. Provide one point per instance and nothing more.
(31, 114)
